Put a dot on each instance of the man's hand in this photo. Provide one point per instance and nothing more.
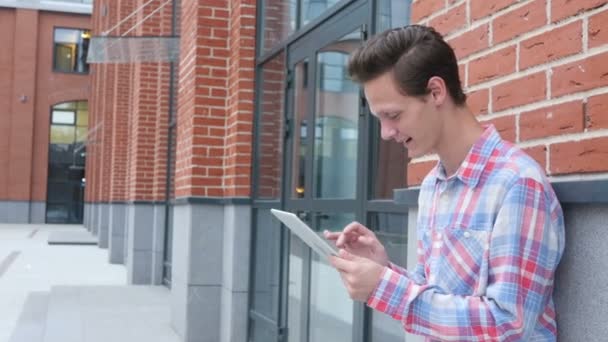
(359, 275)
(359, 241)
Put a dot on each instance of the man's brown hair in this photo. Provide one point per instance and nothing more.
(414, 54)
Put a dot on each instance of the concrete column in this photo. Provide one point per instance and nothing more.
(104, 224)
(145, 243)
(210, 272)
(116, 233)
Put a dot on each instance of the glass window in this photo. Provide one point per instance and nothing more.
(311, 9)
(270, 128)
(279, 21)
(63, 117)
(391, 230)
(71, 48)
(337, 122)
(392, 13)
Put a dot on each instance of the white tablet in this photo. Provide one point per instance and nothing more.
(304, 232)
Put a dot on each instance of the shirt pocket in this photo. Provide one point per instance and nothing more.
(462, 263)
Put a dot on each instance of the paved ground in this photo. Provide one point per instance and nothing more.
(28, 263)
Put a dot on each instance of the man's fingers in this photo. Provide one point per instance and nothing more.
(343, 262)
(358, 229)
(331, 235)
(367, 241)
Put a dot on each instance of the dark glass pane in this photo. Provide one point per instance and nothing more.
(270, 123)
(266, 265)
(279, 22)
(61, 153)
(391, 230)
(60, 192)
(392, 13)
(389, 160)
(57, 213)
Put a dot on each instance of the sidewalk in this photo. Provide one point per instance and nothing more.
(28, 263)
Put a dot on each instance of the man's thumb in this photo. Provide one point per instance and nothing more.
(344, 254)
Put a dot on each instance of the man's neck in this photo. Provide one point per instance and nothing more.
(459, 133)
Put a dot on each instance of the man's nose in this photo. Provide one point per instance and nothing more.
(387, 132)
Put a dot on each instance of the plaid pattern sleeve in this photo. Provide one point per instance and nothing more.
(512, 300)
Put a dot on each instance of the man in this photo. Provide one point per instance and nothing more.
(490, 229)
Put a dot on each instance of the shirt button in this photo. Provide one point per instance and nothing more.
(467, 234)
(438, 236)
(437, 244)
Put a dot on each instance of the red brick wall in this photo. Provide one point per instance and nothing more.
(536, 69)
(127, 159)
(26, 69)
(215, 108)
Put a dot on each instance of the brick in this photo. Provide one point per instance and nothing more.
(562, 9)
(578, 76)
(450, 21)
(417, 171)
(505, 125)
(521, 20)
(597, 112)
(538, 153)
(583, 156)
(484, 8)
(494, 65)
(558, 43)
(555, 120)
(424, 8)
(470, 42)
(462, 75)
(478, 101)
(598, 31)
(519, 92)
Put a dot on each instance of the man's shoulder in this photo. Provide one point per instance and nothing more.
(511, 164)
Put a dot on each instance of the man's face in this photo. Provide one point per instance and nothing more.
(411, 121)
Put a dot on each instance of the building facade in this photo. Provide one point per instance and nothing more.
(187, 154)
(44, 92)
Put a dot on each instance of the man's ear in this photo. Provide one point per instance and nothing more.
(437, 90)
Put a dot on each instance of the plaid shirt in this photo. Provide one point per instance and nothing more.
(489, 240)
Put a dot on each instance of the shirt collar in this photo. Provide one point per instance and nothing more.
(475, 162)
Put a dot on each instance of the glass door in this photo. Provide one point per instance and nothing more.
(323, 169)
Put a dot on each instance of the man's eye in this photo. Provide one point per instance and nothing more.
(393, 116)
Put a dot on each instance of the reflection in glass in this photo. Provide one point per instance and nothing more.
(391, 230)
(300, 131)
(337, 122)
(389, 160)
(270, 123)
(279, 21)
(311, 9)
(392, 13)
(331, 309)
